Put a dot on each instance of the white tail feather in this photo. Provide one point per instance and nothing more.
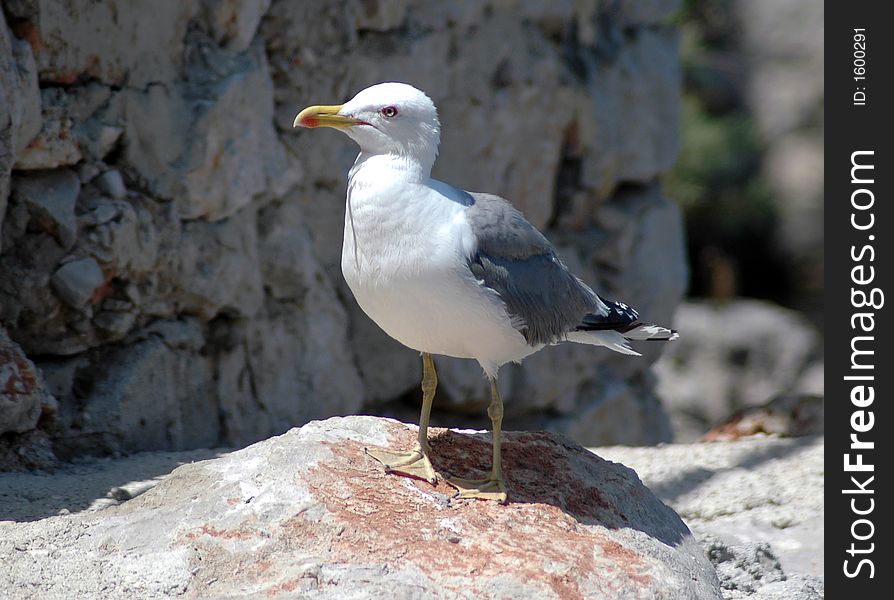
(618, 342)
(651, 332)
(608, 338)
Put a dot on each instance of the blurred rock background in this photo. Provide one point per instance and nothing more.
(750, 182)
(169, 268)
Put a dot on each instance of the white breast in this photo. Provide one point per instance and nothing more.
(404, 258)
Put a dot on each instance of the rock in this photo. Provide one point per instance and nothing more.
(757, 501)
(50, 197)
(332, 524)
(325, 384)
(119, 415)
(56, 143)
(732, 356)
(111, 42)
(648, 12)
(19, 104)
(289, 266)
(87, 172)
(780, 38)
(86, 486)
(23, 394)
(116, 323)
(112, 184)
(794, 587)
(31, 451)
(20, 115)
(379, 15)
(99, 139)
(77, 281)
(630, 103)
(55, 146)
(652, 271)
(746, 568)
(234, 22)
(753, 571)
(217, 267)
(75, 126)
(210, 143)
(788, 415)
(618, 413)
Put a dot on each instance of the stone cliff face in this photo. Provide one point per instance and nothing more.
(170, 245)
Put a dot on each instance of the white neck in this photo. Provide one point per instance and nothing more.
(399, 167)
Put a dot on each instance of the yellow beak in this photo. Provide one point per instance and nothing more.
(324, 116)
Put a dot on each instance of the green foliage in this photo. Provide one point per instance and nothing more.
(717, 178)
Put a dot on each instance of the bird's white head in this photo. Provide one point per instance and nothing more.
(387, 118)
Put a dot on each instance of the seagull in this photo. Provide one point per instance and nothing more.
(455, 273)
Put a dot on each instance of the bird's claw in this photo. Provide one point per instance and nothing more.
(414, 463)
(484, 489)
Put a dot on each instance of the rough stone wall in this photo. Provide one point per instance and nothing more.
(170, 244)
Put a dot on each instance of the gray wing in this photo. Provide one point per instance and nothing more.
(545, 300)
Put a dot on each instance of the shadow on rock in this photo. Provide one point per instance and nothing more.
(548, 468)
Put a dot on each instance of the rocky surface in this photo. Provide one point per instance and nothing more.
(756, 505)
(23, 396)
(165, 228)
(738, 356)
(308, 513)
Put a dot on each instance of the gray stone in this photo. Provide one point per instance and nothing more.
(217, 267)
(50, 197)
(23, 394)
(20, 116)
(99, 139)
(19, 104)
(632, 100)
(76, 282)
(234, 22)
(289, 266)
(151, 394)
(379, 15)
(790, 415)
(746, 568)
(112, 183)
(755, 498)
(209, 144)
(114, 322)
(331, 524)
(732, 356)
(615, 411)
(112, 41)
(87, 172)
(648, 12)
(31, 451)
(300, 365)
(56, 143)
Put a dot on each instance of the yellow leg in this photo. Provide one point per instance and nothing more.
(493, 488)
(416, 462)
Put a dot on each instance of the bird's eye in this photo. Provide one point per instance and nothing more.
(389, 111)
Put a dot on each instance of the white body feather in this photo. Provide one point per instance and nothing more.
(405, 253)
